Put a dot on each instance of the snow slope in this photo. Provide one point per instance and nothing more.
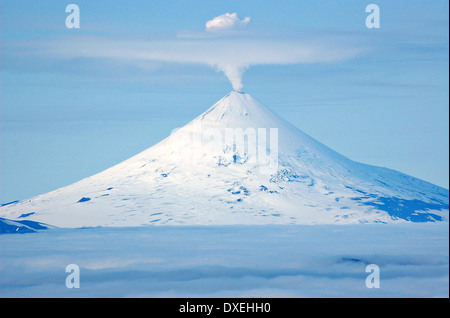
(201, 175)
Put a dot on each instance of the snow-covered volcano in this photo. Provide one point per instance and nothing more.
(237, 163)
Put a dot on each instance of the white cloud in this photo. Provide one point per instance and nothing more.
(231, 56)
(225, 22)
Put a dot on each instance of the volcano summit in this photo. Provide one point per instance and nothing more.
(237, 163)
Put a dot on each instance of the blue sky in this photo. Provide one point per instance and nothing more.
(71, 106)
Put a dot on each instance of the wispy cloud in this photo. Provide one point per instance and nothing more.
(231, 56)
(229, 52)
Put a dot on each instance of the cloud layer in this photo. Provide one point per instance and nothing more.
(232, 261)
(229, 52)
(229, 55)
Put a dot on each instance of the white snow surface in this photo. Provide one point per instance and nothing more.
(190, 179)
